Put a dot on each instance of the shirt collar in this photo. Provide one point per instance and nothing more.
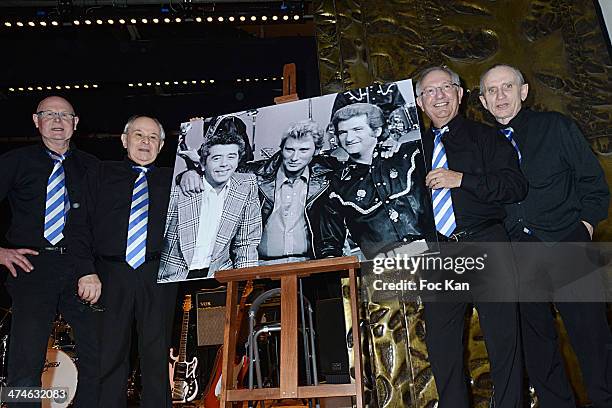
(281, 177)
(454, 124)
(129, 162)
(210, 189)
(518, 121)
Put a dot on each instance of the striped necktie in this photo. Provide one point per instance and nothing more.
(55, 203)
(444, 214)
(136, 249)
(509, 132)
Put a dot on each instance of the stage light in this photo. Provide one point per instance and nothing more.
(175, 82)
(166, 20)
(21, 89)
(110, 21)
(6, 23)
(54, 23)
(185, 82)
(95, 86)
(121, 21)
(76, 22)
(264, 18)
(77, 86)
(256, 79)
(58, 87)
(31, 23)
(231, 18)
(130, 85)
(19, 24)
(178, 19)
(274, 18)
(239, 80)
(11, 89)
(285, 18)
(166, 83)
(139, 84)
(43, 23)
(212, 81)
(198, 19)
(265, 79)
(274, 78)
(242, 18)
(220, 19)
(202, 81)
(67, 86)
(30, 88)
(156, 20)
(99, 22)
(209, 19)
(296, 17)
(248, 79)
(194, 82)
(144, 21)
(158, 83)
(49, 88)
(88, 22)
(133, 21)
(253, 18)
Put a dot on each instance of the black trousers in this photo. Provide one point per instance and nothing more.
(499, 321)
(36, 298)
(130, 295)
(589, 335)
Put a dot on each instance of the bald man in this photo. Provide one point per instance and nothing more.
(43, 184)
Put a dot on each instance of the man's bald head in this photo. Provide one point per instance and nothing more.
(56, 121)
(54, 100)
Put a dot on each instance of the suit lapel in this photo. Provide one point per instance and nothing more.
(228, 220)
(188, 223)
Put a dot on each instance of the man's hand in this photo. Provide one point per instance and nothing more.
(90, 288)
(12, 258)
(389, 147)
(191, 183)
(443, 178)
(589, 228)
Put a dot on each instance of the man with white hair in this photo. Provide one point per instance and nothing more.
(568, 197)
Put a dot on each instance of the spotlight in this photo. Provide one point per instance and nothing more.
(6, 23)
(30, 88)
(100, 22)
(76, 22)
(88, 22)
(158, 83)
(121, 21)
(274, 18)
(21, 89)
(212, 81)
(148, 84)
(86, 86)
(209, 19)
(248, 80)
(166, 83)
(175, 82)
(77, 86)
(256, 79)
(95, 86)
(144, 21)
(242, 18)
(166, 20)
(139, 84)
(185, 82)
(67, 87)
(194, 82)
(58, 87)
(239, 80)
(54, 23)
(231, 18)
(156, 20)
(130, 85)
(49, 88)
(274, 78)
(220, 19)
(11, 89)
(133, 21)
(264, 18)
(253, 18)
(178, 19)
(198, 19)
(202, 81)
(19, 24)
(285, 18)
(43, 23)
(31, 23)
(110, 21)
(296, 17)
(265, 79)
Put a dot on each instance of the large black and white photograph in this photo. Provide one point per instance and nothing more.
(336, 175)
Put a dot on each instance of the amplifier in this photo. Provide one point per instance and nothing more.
(210, 316)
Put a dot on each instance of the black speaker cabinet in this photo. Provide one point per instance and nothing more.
(211, 316)
(331, 333)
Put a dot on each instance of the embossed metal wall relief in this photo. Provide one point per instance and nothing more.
(559, 46)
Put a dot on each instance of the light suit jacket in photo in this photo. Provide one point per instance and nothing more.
(238, 236)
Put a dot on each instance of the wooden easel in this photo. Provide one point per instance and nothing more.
(289, 388)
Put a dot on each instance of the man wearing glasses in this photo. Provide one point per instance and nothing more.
(126, 205)
(473, 173)
(44, 187)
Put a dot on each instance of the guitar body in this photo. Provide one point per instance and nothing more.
(210, 399)
(185, 384)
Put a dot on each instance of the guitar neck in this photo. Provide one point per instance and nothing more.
(184, 328)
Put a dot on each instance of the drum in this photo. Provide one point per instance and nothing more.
(61, 372)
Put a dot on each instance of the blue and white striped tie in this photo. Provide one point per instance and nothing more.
(136, 249)
(508, 132)
(55, 203)
(444, 214)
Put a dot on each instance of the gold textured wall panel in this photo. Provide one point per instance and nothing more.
(557, 44)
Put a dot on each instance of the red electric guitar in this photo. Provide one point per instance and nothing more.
(241, 366)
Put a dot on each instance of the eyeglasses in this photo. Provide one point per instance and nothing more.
(51, 115)
(140, 136)
(431, 90)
